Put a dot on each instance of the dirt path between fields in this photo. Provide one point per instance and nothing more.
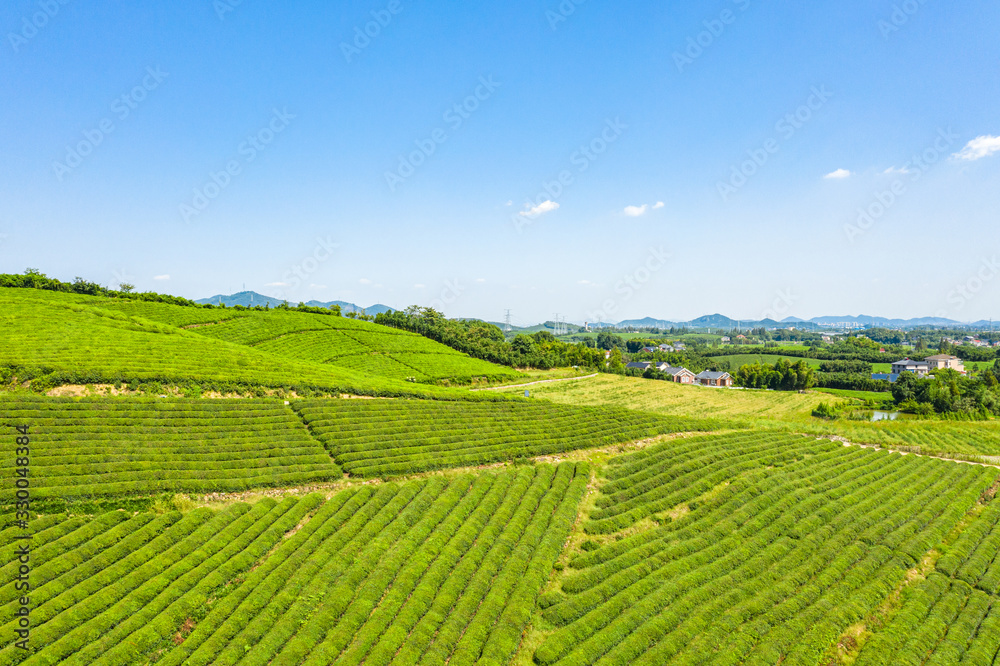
(543, 381)
(994, 461)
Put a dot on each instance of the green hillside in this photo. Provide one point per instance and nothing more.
(57, 338)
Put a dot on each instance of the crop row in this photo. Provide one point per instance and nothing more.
(771, 568)
(172, 445)
(386, 438)
(667, 482)
(941, 621)
(975, 557)
(445, 570)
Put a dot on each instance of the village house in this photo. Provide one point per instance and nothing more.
(639, 365)
(667, 348)
(945, 361)
(919, 368)
(678, 375)
(709, 378)
(650, 350)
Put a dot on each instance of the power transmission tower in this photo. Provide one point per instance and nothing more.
(507, 325)
(555, 324)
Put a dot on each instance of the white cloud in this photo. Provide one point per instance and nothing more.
(839, 174)
(365, 281)
(162, 277)
(639, 211)
(420, 286)
(277, 284)
(480, 280)
(509, 203)
(540, 209)
(896, 171)
(978, 148)
(317, 286)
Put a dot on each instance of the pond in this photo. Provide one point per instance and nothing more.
(885, 416)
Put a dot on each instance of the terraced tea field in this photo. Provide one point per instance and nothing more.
(762, 550)
(953, 617)
(431, 572)
(386, 438)
(84, 449)
(356, 345)
(81, 340)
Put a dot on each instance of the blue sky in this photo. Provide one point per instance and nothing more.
(599, 160)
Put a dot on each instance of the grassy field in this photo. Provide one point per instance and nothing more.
(738, 360)
(677, 400)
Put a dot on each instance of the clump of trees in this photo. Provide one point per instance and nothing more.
(35, 279)
(949, 392)
(782, 376)
(485, 341)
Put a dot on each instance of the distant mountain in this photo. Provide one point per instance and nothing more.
(249, 299)
(648, 322)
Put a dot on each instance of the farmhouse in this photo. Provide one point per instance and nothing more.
(679, 375)
(667, 348)
(919, 368)
(709, 378)
(640, 365)
(945, 361)
(650, 350)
